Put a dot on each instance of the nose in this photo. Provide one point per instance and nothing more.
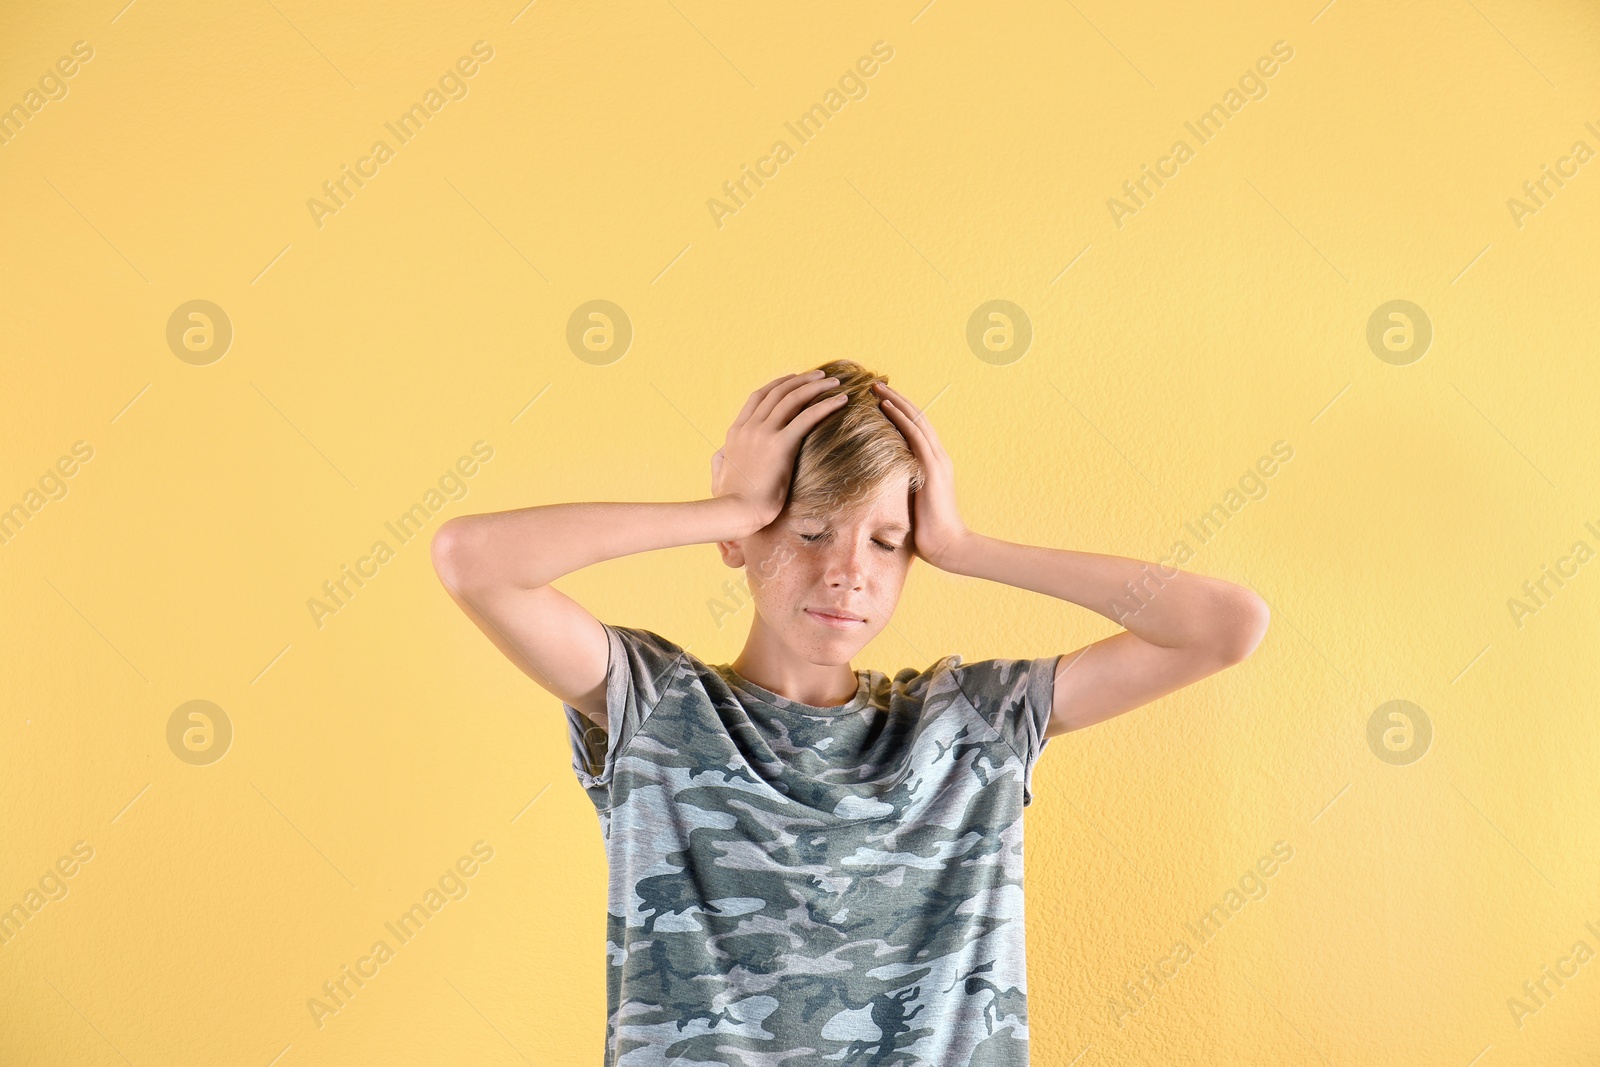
(845, 567)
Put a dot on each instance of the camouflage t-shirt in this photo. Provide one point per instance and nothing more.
(795, 885)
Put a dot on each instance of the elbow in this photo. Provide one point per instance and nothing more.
(466, 557)
(1243, 623)
(444, 549)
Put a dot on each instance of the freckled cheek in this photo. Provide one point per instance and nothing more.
(892, 586)
(789, 582)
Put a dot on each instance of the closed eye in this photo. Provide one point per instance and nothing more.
(811, 538)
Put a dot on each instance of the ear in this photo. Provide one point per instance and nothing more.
(732, 553)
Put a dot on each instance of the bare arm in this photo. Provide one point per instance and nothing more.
(1179, 627)
(496, 550)
(498, 566)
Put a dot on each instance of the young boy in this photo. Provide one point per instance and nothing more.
(811, 863)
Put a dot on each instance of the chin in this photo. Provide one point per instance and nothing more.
(833, 648)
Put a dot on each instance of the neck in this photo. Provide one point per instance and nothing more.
(776, 667)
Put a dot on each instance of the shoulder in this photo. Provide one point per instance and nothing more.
(1012, 695)
(981, 682)
(928, 682)
(644, 643)
(645, 661)
(1002, 678)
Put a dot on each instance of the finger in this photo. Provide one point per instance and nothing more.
(814, 413)
(907, 426)
(901, 407)
(756, 398)
(930, 454)
(776, 395)
(905, 404)
(784, 411)
(920, 418)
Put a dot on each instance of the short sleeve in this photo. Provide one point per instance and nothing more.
(639, 667)
(1015, 697)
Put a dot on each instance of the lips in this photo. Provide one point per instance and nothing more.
(841, 620)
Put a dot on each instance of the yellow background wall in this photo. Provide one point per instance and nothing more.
(1172, 347)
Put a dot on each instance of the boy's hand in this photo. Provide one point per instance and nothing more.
(757, 461)
(937, 521)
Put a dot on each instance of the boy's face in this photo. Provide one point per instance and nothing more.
(801, 570)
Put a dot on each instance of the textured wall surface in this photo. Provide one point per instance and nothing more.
(232, 369)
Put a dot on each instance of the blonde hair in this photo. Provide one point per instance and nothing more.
(850, 455)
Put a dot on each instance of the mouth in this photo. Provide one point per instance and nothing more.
(839, 621)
